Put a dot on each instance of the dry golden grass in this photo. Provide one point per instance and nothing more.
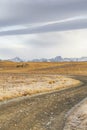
(51, 82)
(15, 85)
(71, 68)
(21, 79)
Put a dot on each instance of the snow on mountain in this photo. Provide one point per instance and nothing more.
(55, 59)
(40, 60)
(60, 59)
(16, 59)
(82, 59)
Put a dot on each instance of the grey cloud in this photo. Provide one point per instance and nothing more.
(7, 52)
(19, 17)
(45, 45)
(28, 11)
(36, 11)
(70, 25)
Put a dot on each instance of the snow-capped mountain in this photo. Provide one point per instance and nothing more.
(16, 59)
(82, 59)
(55, 59)
(60, 59)
(40, 60)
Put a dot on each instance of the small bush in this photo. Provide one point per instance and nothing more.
(51, 82)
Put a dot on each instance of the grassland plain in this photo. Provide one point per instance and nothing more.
(43, 111)
(69, 68)
(22, 79)
(12, 86)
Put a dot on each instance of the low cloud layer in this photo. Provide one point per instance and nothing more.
(43, 28)
(37, 16)
(47, 45)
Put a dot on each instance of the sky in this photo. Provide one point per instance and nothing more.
(32, 29)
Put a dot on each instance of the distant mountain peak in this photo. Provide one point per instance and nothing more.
(16, 59)
(55, 59)
(60, 59)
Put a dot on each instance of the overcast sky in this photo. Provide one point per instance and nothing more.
(43, 28)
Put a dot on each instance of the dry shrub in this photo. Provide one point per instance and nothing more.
(51, 82)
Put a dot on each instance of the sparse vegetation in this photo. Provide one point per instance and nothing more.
(37, 78)
(21, 79)
(69, 68)
(51, 82)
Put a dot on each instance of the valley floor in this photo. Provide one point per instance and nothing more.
(17, 85)
(41, 112)
(53, 94)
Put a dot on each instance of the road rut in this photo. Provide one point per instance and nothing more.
(41, 112)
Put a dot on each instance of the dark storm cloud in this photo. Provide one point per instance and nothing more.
(23, 12)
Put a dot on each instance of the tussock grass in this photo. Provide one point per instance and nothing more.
(21, 79)
(51, 82)
(71, 68)
(22, 85)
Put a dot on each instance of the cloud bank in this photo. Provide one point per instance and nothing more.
(47, 45)
(43, 28)
(38, 16)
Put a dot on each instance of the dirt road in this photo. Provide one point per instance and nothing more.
(42, 112)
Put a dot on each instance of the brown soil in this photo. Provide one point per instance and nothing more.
(42, 112)
(17, 85)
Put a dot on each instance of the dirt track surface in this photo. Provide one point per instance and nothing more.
(42, 112)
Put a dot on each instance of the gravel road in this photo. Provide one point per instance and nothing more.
(41, 112)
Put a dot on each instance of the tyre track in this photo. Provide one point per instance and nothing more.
(42, 112)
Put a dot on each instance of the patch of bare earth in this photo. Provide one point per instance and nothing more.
(77, 117)
(17, 85)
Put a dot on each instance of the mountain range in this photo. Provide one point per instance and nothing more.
(55, 59)
(16, 59)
